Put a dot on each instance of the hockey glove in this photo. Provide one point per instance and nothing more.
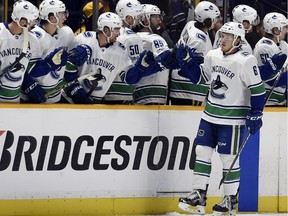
(78, 94)
(254, 121)
(168, 59)
(185, 55)
(57, 58)
(79, 55)
(144, 66)
(279, 60)
(34, 92)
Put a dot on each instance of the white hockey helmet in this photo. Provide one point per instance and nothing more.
(244, 12)
(24, 9)
(205, 10)
(126, 8)
(149, 9)
(110, 20)
(273, 20)
(233, 28)
(51, 6)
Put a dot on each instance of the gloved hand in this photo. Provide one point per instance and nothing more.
(147, 64)
(57, 58)
(185, 54)
(78, 94)
(34, 92)
(168, 59)
(254, 121)
(79, 55)
(279, 60)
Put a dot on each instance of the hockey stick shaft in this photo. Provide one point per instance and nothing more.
(22, 54)
(64, 84)
(235, 159)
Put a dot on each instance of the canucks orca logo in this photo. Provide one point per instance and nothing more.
(244, 9)
(9, 72)
(26, 7)
(52, 2)
(55, 74)
(218, 88)
(98, 77)
(129, 4)
(211, 7)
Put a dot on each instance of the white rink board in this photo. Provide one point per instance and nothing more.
(109, 125)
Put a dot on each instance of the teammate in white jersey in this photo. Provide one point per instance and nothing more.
(195, 35)
(153, 89)
(245, 15)
(18, 49)
(130, 12)
(53, 35)
(109, 58)
(236, 98)
(267, 50)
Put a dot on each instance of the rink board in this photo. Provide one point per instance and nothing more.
(106, 160)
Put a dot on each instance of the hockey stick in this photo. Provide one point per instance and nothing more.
(92, 77)
(235, 159)
(282, 70)
(10, 67)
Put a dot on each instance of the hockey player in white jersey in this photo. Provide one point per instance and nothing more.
(235, 100)
(245, 15)
(109, 58)
(18, 49)
(53, 35)
(195, 35)
(153, 89)
(130, 12)
(268, 50)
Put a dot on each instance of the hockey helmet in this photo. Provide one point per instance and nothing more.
(24, 9)
(205, 10)
(245, 12)
(273, 20)
(51, 6)
(109, 19)
(149, 9)
(233, 28)
(126, 8)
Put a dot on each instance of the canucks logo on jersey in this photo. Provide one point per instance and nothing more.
(218, 88)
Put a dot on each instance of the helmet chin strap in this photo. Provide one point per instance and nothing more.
(233, 46)
(108, 38)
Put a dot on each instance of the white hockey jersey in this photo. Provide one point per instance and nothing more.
(152, 89)
(181, 87)
(63, 38)
(266, 48)
(10, 49)
(109, 61)
(233, 80)
(120, 90)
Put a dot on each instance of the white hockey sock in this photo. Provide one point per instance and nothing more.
(231, 184)
(202, 167)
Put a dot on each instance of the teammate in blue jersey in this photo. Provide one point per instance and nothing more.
(235, 100)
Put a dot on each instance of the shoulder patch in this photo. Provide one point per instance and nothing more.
(87, 34)
(267, 42)
(201, 36)
(37, 34)
(245, 53)
(122, 46)
(129, 31)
